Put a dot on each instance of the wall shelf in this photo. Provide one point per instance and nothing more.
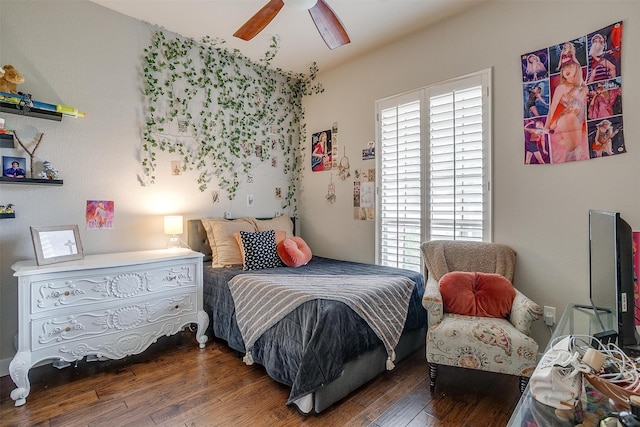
(7, 107)
(29, 181)
(7, 215)
(6, 140)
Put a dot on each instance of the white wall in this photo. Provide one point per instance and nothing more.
(541, 211)
(80, 54)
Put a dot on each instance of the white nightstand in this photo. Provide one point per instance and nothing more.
(107, 305)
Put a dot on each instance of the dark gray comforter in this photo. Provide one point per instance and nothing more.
(309, 347)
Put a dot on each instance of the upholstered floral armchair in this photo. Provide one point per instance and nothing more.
(468, 338)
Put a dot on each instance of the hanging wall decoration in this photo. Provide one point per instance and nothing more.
(343, 166)
(331, 191)
(32, 152)
(222, 113)
(572, 99)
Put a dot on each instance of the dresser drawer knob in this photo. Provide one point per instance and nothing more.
(67, 329)
(67, 293)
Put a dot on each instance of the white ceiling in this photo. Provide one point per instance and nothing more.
(369, 23)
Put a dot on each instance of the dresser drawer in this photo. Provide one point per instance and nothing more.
(82, 325)
(76, 289)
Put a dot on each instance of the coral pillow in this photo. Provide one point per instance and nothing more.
(294, 252)
(477, 294)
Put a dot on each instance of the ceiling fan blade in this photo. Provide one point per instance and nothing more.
(328, 25)
(260, 20)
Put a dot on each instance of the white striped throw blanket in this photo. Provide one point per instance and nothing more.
(261, 300)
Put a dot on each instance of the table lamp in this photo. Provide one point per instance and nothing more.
(173, 226)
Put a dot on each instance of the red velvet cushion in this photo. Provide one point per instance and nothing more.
(477, 294)
(294, 252)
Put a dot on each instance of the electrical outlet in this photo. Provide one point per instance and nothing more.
(549, 315)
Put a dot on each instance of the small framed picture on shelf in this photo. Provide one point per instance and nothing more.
(55, 244)
(14, 167)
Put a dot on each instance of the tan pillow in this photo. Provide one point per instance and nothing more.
(225, 251)
(282, 222)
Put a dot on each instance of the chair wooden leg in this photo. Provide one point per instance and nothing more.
(433, 374)
(523, 383)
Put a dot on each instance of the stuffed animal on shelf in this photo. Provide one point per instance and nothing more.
(10, 79)
(49, 172)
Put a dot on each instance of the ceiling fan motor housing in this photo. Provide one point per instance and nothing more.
(301, 4)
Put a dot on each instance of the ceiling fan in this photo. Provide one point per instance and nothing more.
(327, 23)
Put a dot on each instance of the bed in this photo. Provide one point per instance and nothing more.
(321, 349)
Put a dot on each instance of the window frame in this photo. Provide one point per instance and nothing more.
(423, 94)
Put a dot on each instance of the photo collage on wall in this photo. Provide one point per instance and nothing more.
(364, 194)
(325, 157)
(572, 99)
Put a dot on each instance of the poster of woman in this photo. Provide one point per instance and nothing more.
(574, 89)
(321, 152)
(99, 214)
(605, 137)
(566, 121)
(536, 142)
(535, 66)
(536, 99)
(604, 99)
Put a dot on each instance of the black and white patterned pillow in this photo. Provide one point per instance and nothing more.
(260, 250)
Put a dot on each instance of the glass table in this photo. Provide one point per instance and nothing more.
(576, 320)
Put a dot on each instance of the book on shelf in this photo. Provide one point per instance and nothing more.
(25, 99)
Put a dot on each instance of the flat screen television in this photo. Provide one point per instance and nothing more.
(611, 275)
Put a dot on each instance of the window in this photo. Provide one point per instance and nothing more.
(434, 168)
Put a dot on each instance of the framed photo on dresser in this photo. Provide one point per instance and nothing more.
(55, 244)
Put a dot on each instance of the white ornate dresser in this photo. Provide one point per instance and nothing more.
(105, 306)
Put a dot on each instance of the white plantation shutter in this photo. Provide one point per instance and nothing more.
(400, 190)
(456, 180)
(433, 168)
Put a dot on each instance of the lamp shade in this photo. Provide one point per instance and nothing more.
(173, 224)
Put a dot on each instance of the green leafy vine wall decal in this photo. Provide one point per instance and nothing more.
(235, 112)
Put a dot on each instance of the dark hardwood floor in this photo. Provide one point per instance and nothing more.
(174, 383)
